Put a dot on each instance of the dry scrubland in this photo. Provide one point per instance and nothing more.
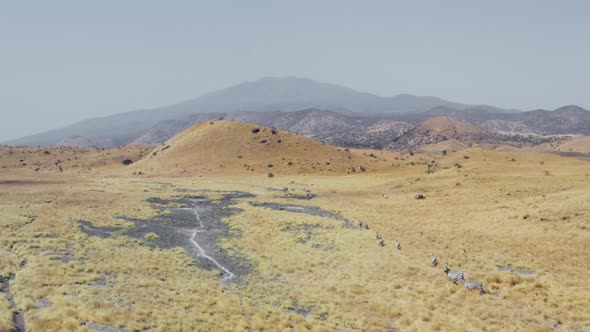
(527, 210)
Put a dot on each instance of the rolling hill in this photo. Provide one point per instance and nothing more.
(227, 147)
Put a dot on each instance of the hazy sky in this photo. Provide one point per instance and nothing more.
(62, 61)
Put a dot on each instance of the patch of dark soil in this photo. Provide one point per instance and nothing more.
(186, 190)
(311, 210)
(27, 182)
(306, 235)
(102, 327)
(307, 196)
(571, 154)
(301, 309)
(197, 227)
(517, 271)
(278, 189)
(102, 282)
(17, 316)
(67, 257)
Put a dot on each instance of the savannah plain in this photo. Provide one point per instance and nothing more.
(518, 221)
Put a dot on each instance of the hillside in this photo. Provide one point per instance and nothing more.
(441, 129)
(66, 159)
(375, 136)
(226, 147)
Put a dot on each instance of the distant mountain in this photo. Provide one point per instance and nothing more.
(165, 129)
(308, 122)
(86, 142)
(264, 95)
(567, 120)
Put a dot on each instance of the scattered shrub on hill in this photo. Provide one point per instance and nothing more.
(270, 175)
(274, 131)
(127, 162)
(255, 130)
(362, 168)
(45, 152)
(263, 141)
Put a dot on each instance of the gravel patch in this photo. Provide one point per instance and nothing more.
(311, 210)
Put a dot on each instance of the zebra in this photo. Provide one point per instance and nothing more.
(472, 285)
(455, 277)
(398, 245)
(433, 260)
(360, 224)
(381, 243)
(378, 236)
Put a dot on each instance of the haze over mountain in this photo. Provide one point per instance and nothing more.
(326, 112)
(263, 95)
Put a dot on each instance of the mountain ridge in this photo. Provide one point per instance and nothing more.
(267, 94)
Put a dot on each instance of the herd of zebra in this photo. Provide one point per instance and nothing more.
(457, 277)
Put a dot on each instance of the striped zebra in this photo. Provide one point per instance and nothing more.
(472, 285)
(433, 260)
(456, 277)
(397, 245)
(378, 236)
(381, 243)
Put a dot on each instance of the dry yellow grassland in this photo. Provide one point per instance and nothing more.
(310, 272)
